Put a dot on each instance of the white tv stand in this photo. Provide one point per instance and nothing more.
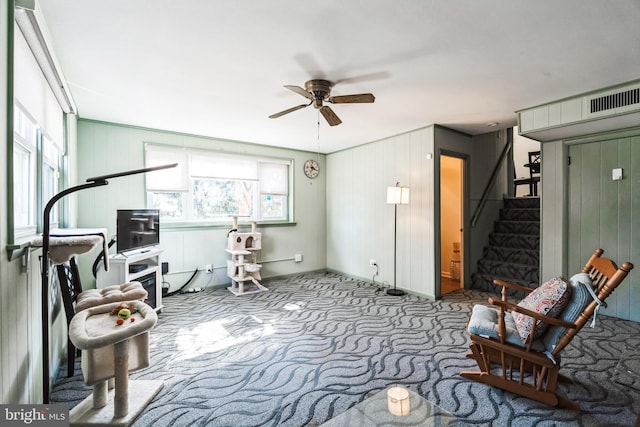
(122, 269)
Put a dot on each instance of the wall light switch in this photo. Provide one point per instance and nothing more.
(616, 174)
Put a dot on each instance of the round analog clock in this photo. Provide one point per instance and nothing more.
(311, 168)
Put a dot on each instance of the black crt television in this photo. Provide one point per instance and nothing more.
(137, 228)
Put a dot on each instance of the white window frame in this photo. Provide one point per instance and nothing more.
(179, 183)
(25, 141)
(33, 185)
(51, 154)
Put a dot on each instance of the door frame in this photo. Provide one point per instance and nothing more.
(465, 271)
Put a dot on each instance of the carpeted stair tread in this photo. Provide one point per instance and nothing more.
(509, 270)
(514, 255)
(517, 227)
(516, 241)
(520, 214)
(484, 282)
(522, 202)
(513, 252)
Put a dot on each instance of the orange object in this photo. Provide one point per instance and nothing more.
(120, 321)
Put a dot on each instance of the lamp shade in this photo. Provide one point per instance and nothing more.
(398, 195)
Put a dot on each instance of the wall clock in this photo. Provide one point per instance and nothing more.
(311, 168)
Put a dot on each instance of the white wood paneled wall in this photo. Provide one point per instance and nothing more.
(360, 223)
(21, 333)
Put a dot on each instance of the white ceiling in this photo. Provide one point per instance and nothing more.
(217, 67)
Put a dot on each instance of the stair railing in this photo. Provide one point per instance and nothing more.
(485, 195)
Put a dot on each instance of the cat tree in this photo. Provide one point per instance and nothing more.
(243, 268)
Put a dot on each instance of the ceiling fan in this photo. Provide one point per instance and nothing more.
(318, 92)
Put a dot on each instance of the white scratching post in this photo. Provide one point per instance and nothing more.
(110, 352)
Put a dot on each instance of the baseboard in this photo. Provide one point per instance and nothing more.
(418, 294)
(289, 275)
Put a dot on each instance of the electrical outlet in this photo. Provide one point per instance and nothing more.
(372, 263)
(208, 268)
(297, 257)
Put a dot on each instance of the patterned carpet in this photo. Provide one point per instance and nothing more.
(317, 344)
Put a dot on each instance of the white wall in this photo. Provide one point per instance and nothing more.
(107, 148)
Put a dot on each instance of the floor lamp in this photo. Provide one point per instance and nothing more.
(44, 270)
(396, 196)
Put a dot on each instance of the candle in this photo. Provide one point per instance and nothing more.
(398, 400)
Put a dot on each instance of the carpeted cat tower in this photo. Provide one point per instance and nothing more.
(114, 343)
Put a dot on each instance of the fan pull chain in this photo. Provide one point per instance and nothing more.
(318, 150)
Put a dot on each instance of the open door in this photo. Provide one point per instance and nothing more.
(451, 223)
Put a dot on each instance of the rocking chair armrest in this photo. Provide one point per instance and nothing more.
(511, 285)
(535, 315)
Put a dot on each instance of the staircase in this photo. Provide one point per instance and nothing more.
(513, 254)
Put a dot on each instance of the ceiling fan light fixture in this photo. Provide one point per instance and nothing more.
(318, 91)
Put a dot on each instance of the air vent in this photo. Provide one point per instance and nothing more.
(615, 100)
(599, 111)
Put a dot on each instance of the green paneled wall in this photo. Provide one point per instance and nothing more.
(606, 213)
(107, 148)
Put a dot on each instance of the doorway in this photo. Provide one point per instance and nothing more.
(522, 169)
(451, 223)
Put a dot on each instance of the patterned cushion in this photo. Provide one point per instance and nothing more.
(484, 322)
(548, 299)
(579, 300)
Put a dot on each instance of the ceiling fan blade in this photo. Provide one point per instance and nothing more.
(363, 78)
(287, 111)
(352, 99)
(330, 116)
(310, 66)
(299, 90)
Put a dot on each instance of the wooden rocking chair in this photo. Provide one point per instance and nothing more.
(531, 369)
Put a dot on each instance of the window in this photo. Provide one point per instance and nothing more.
(38, 145)
(51, 155)
(25, 139)
(209, 187)
(28, 156)
(274, 188)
